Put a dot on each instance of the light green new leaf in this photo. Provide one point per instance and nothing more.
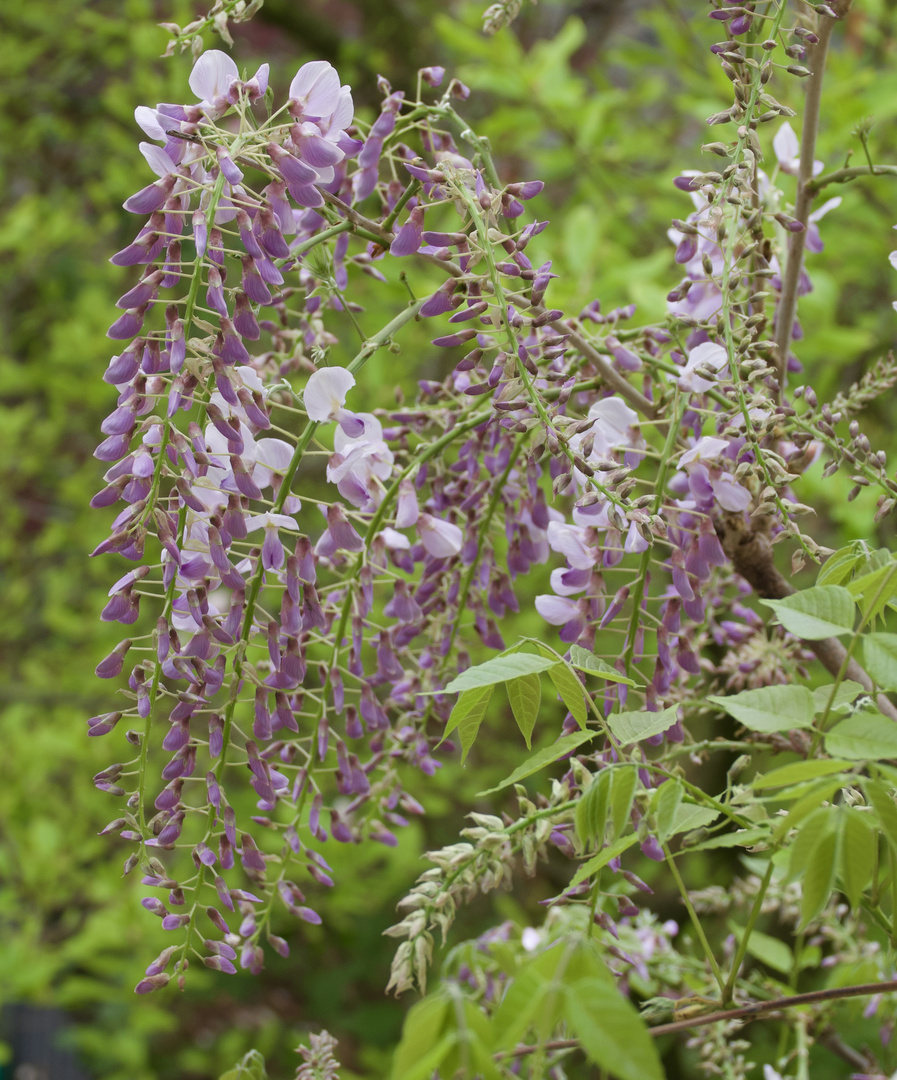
(883, 802)
(770, 708)
(467, 715)
(252, 1067)
(739, 838)
(521, 1003)
(847, 691)
(768, 950)
(632, 727)
(541, 758)
(818, 877)
(817, 613)
(805, 805)
(876, 590)
(797, 772)
(690, 816)
(841, 565)
(591, 810)
(570, 689)
(425, 1039)
(880, 659)
(625, 783)
(865, 736)
(611, 1031)
(817, 825)
(525, 696)
(602, 859)
(665, 805)
(856, 854)
(583, 660)
(500, 669)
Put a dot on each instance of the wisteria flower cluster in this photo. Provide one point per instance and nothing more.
(315, 568)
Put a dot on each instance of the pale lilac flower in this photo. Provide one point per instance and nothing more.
(557, 610)
(787, 150)
(572, 541)
(441, 539)
(272, 548)
(212, 76)
(394, 540)
(709, 480)
(813, 242)
(360, 464)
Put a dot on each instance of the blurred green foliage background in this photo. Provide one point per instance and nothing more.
(604, 100)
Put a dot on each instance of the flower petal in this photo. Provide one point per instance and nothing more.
(325, 393)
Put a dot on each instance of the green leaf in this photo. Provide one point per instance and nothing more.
(798, 771)
(880, 659)
(665, 804)
(690, 816)
(847, 692)
(525, 696)
(583, 660)
(768, 950)
(541, 758)
(613, 1035)
(740, 838)
(865, 736)
(811, 832)
(252, 1067)
(883, 802)
(818, 876)
(771, 708)
(591, 810)
(602, 859)
(423, 1034)
(805, 805)
(571, 691)
(857, 854)
(423, 1067)
(625, 783)
(876, 590)
(521, 1003)
(467, 715)
(632, 727)
(817, 613)
(841, 565)
(500, 669)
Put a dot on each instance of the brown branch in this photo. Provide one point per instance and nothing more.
(758, 1008)
(791, 278)
(745, 1012)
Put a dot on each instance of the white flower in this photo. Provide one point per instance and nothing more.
(706, 355)
(556, 610)
(325, 395)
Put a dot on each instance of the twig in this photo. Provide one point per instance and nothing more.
(745, 1012)
(788, 303)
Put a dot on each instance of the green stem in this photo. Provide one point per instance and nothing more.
(756, 908)
(695, 921)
